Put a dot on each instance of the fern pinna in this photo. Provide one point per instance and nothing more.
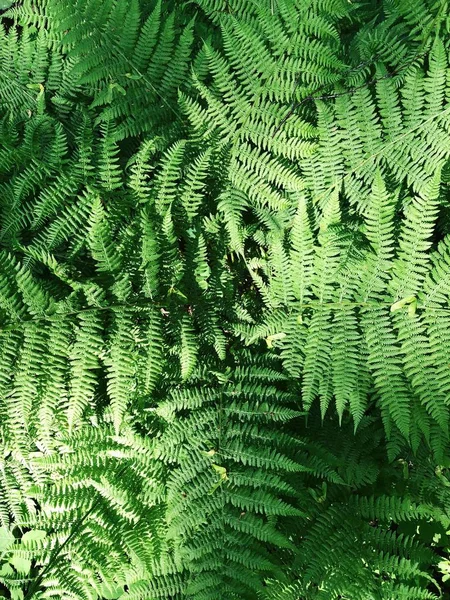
(224, 300)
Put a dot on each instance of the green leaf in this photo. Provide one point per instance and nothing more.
(6, 570)
(6, 539)
(403, 302)
(34, 535)
(22, 565)
(109, 592)
(412, 308)
(271, 338)
(221, 470)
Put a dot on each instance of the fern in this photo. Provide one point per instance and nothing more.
(224, 296)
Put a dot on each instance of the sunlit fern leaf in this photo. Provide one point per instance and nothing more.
(121, 362)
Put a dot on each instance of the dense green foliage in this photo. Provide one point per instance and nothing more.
(224, 299)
